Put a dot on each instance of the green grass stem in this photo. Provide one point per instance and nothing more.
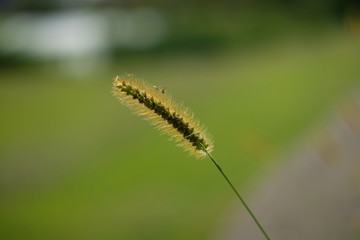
(240, 198)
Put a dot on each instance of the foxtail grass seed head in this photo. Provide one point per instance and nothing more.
(155, 105)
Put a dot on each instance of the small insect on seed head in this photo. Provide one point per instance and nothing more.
(162, 90)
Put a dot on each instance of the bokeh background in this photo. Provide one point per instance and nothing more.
(262, 75)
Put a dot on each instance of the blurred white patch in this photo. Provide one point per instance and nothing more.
(74, 34)
(60, 35)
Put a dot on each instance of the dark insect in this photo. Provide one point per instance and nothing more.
(162, 90)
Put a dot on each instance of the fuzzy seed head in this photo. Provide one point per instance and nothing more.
(160, 109)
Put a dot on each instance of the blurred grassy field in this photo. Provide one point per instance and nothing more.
(76, 164)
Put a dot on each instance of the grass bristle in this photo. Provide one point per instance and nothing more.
(160, 109)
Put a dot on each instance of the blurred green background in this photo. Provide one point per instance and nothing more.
(75, 164)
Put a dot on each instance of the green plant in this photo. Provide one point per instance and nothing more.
(173, 119)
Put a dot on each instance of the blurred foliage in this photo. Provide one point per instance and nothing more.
(206, 25)
(75, 164)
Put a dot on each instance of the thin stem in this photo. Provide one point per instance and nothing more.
(236, 192)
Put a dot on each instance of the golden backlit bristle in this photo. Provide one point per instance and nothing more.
(160, 109)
